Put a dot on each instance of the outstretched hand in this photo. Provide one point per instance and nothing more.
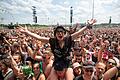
(22, 29)
(92, 21)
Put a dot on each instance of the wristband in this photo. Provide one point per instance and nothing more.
(89, 26)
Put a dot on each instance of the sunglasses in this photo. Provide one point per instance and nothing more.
(89, 70)
(111, 63)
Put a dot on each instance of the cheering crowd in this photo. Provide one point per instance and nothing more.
(60, 54)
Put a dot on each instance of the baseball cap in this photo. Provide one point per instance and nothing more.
(88, 64)
(75, 65)
(59, 29)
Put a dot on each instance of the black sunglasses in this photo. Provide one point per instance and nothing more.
(89, 70)
(111, 63)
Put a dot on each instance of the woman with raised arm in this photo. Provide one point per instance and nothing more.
(61, 47)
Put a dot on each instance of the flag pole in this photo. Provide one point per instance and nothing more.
(92, 9)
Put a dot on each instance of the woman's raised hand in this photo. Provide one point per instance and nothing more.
(91, 22)
(22, 29)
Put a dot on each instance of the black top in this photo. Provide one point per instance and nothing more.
(1, 76)
(61, 55)
(79, 78)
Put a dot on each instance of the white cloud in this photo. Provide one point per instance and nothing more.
(22, 9)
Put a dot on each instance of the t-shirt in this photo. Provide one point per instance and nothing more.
(61, 54)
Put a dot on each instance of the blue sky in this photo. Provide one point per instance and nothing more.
(58, 11)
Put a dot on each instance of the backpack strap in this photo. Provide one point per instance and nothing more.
(41, 67)
(7, 73)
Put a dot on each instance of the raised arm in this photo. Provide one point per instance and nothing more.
(100, 52)
(111, 72)
(14, 64)
(25, 30)
(76, 34)
(33, 54)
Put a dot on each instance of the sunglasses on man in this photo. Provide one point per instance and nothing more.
(89, 70)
